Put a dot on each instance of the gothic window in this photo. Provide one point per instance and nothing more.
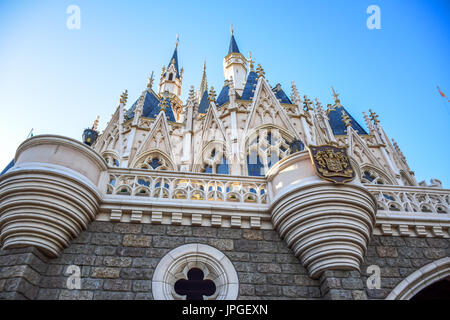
(170, 76)
(215, 162)
(195, 271)
(372, 177)
(195, 287)
(155, 161)
(111, 160)
(266, 147)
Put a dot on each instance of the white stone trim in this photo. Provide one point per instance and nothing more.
(420, 279)
(175, 265)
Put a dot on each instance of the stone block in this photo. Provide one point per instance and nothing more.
(117, 285)
(100, 272)
(76, 295)
(137, 241)
(222, 244)
(384, 252)
(127, 228)
(117, 261)
(250, 234)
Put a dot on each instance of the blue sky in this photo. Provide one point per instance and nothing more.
(57, 80)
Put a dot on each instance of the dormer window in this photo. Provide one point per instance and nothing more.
(170, 76)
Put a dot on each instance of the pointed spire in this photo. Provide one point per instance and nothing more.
(204, 82)
(150, 81)
(174, 59)
(233, 45)
(335, 96)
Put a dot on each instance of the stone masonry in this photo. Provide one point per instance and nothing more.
(117, 261)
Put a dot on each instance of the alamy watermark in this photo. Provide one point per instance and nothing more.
(74, 19)
(374, 281)
(74, 280)
(374, 20)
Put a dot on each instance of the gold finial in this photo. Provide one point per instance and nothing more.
(150, 81)
(212, 95)
(374, 117)
(260, 71)
(335, 96)
(178, 39)
(163, 104)
(124, 97)
(250, 61)
(346, 119)
(231, 28)
(307, 103)
(163, 71)
(94, 127)
(318, 104)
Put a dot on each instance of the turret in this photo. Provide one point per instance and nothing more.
(235, 66)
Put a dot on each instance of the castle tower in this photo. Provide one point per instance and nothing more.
(235, 65)
(171, 82)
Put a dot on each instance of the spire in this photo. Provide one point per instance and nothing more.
(233, 45)
(174, 59)
(150, 81)
(335, 96)
(204, 82)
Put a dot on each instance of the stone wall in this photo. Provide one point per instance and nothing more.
(117, 261)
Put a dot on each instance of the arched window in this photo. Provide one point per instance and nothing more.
(170, 76)
(215, 161)
(374, 176)
(265, 148)
(154, 161)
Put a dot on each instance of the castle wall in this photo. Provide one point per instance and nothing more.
(117, 261)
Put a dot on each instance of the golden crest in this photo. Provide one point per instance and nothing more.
(332, 163)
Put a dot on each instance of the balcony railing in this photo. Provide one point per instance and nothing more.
(411, 199)
(187, 186)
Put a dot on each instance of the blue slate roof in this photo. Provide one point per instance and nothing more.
(233, 46)
(204, 103)
(175, 56)
(280, 94)
(151, 107)
(9, 166)
(338, 126)
(250, 86)
(224, 96)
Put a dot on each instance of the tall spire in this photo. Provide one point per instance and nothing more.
(233, 45)
(174, 59)
(204, 82)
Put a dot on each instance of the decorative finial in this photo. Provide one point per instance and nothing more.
(307, 103)
(260, 71)
(318, 104)
(295, 95)
(124, 97)
(346, 119)
(150, 81)
(231, 29)
(374, 117)
(250, 61)
(212, 95)
(191, 94)
(176, 43)
(335, 96)
(163, 71)
(94, 127)
(163, 104)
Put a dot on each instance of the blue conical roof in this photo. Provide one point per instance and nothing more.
(151, 107)
(175, 57)
(233, 46)
(338, 125)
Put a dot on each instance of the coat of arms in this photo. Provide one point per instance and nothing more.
(332, 163)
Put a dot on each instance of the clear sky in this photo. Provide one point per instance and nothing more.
(57, 80)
